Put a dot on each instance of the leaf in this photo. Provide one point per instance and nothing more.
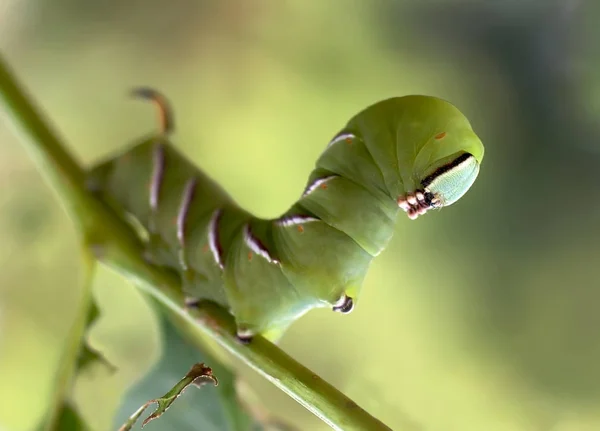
(198, 376)
(78, 355)
(198, 410)
(88, 355)
(69, 419)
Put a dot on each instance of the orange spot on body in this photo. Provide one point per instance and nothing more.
(249, 255)
(348, 140)
(323, 186)
(300, 228)
(174, 221)
(205, 248)
(440, 135)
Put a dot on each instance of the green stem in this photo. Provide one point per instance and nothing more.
(68, 364)
(117, 247)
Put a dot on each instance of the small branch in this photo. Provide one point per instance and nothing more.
(116, 246)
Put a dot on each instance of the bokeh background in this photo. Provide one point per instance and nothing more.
(484, 316)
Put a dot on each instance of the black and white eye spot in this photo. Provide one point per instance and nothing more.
(213, 237)
(341, 137)
(320, 182)
(256, 246)
(158, 168)
(244, 335)
(344, 305)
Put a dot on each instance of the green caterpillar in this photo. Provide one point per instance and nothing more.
(412, 153)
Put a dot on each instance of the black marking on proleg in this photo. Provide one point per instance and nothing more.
(445, 168)
(165, 113)
(257, 246)
(345, 305)
(188, 195)
(213, 237)
(158, 169)
(93, 186)
(98, 250)
(191, 302)
(319, 182)
(244, 336)
(148, 257)
(244, 340)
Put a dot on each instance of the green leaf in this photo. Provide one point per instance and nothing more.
(89, 355)
(78, 354)
(69, 420)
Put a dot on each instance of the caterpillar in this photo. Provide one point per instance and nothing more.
(411, 154)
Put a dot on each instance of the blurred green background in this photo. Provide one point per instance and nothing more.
(483, 317)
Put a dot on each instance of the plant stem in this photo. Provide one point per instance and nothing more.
(68, 364)
(117, 247)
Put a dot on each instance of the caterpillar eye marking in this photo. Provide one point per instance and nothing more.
(320, 182)
(295, 220)
(256, 246)
(348, 137)
(417, 203)
(158, 169)
(444, 186)
(213, 237)
(344, 305)
(188, 194)
(165, 115)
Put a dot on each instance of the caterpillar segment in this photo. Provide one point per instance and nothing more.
(412, 153)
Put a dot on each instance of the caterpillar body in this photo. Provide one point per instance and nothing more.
(411, 153)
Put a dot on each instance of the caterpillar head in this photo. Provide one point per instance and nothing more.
(444, 183)
(446, 165)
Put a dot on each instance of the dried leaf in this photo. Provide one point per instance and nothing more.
(198, 376)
